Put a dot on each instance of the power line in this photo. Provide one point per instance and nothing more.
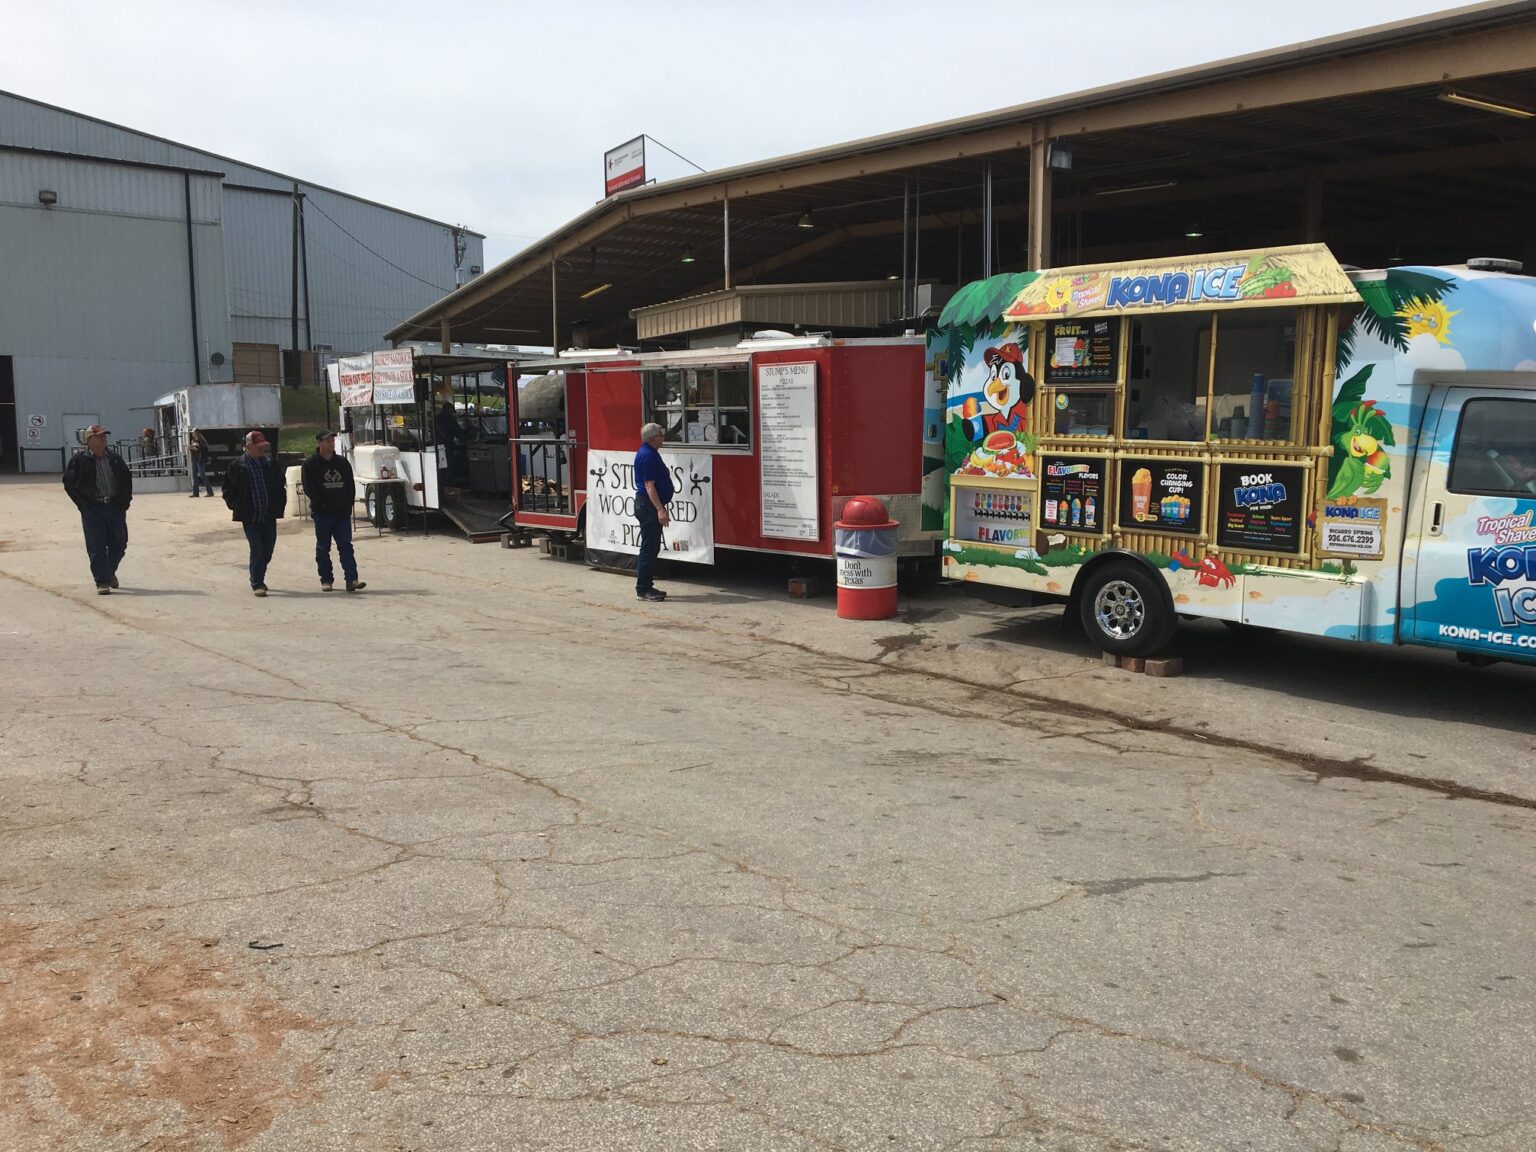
(380, 255)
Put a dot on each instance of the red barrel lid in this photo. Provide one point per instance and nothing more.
(865, 512)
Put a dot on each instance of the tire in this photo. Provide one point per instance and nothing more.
(386, 505)
(1124, 610)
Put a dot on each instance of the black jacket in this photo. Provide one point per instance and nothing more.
(329, 485)
(80, 480)
(237, 491)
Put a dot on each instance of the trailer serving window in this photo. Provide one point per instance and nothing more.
(705, 405)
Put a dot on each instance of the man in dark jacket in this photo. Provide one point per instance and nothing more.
(328, 484)
(101, 486)
(255, 493)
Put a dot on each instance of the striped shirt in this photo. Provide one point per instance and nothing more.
(105, 488)
(260, 500)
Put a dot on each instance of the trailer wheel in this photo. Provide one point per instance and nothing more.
(1124, 610)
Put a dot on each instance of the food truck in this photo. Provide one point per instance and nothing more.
(1260, 437)
(766, 440)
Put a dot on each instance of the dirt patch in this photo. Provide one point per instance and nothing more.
(121, 1028)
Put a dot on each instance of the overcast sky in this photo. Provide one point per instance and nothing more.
(496, 115)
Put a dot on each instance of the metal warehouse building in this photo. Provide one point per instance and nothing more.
(131, 266)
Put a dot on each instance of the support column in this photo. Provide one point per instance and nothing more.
(727, 205)
(443, 336)
(554, 305)
(1039, 199)
(1312, 220)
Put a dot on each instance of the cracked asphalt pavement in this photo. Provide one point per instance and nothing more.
(493, 857)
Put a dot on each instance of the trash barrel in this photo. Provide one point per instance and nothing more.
(298, 503)
(864, 541)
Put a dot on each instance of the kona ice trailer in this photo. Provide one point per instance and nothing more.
(1259, 437)
(767, 440)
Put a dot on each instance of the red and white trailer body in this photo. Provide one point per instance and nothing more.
(770, 438)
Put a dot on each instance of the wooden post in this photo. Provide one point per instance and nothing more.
(443, 336)
(1039, 199)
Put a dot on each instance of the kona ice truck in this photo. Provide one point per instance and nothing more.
(1263, 437)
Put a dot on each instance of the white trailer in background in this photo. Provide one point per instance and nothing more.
(223, 413)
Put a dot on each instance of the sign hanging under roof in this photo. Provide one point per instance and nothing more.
(1300, 274)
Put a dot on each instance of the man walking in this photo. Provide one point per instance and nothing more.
(255, 494)
(198, 453)
(328, 484)
(653, 492)
(101, 486)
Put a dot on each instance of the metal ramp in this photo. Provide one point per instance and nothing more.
(479, 518)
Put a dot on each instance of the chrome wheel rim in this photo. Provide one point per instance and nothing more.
(1119, 610)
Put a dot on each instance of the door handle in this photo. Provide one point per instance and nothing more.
(1436, 518)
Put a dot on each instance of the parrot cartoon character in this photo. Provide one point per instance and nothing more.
(1009, 390)
(1362, 434)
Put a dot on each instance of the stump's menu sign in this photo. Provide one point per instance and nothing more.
(1259, 507)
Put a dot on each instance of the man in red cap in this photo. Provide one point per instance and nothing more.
(101, 486)
(255, 493)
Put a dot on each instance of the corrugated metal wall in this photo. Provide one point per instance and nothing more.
(95, 291)
(369, 266)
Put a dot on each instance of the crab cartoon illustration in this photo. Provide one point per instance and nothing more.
(1209, 571)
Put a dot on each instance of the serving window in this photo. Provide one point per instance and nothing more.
(1169, 369)
(705, 405)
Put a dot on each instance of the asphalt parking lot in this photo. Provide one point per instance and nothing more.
(492, 856)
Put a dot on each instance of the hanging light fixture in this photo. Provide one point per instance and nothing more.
(805, 220)
(1194, 232)
(688, 256)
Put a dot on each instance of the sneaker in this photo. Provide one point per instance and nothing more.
(103, 589)
(356, 585)
(652, 595)
(327, 586)
(260, 590)
(114, 581)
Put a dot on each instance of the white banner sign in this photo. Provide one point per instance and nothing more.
(356, 374)
(624, 166)
(611, 523)
(394, 377)
(786, 397)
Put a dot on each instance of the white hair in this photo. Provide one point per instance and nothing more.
(649, 430)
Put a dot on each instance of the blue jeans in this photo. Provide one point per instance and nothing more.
(339, 529)
(262, 537)
(106, 539)
(650, 545)
(200, 473)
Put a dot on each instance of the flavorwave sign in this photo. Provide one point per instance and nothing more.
(611, 523)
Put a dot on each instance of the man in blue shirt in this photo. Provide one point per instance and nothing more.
(653, 492)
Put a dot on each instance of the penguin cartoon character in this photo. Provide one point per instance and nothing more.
(1008, 392)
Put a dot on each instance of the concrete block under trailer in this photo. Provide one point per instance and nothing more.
(850, 429)
(1377, 484)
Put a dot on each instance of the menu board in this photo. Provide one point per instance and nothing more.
(1259, 507)
(1082, 351)
(1160, 495)
(786, 399)
(1072, 493)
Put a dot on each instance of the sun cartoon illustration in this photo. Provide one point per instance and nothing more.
(1427, 318)
(1057, 293)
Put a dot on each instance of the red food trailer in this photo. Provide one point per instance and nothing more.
(766, 440)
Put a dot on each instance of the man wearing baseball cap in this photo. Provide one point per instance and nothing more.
(101, 486)
(255, 494)
(328, 484)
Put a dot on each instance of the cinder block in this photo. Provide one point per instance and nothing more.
(1133, 664)
(1173, 666)
(803, 587)
(1111, 660)
(543, 542)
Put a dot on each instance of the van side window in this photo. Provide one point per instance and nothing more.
(1495, 452)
